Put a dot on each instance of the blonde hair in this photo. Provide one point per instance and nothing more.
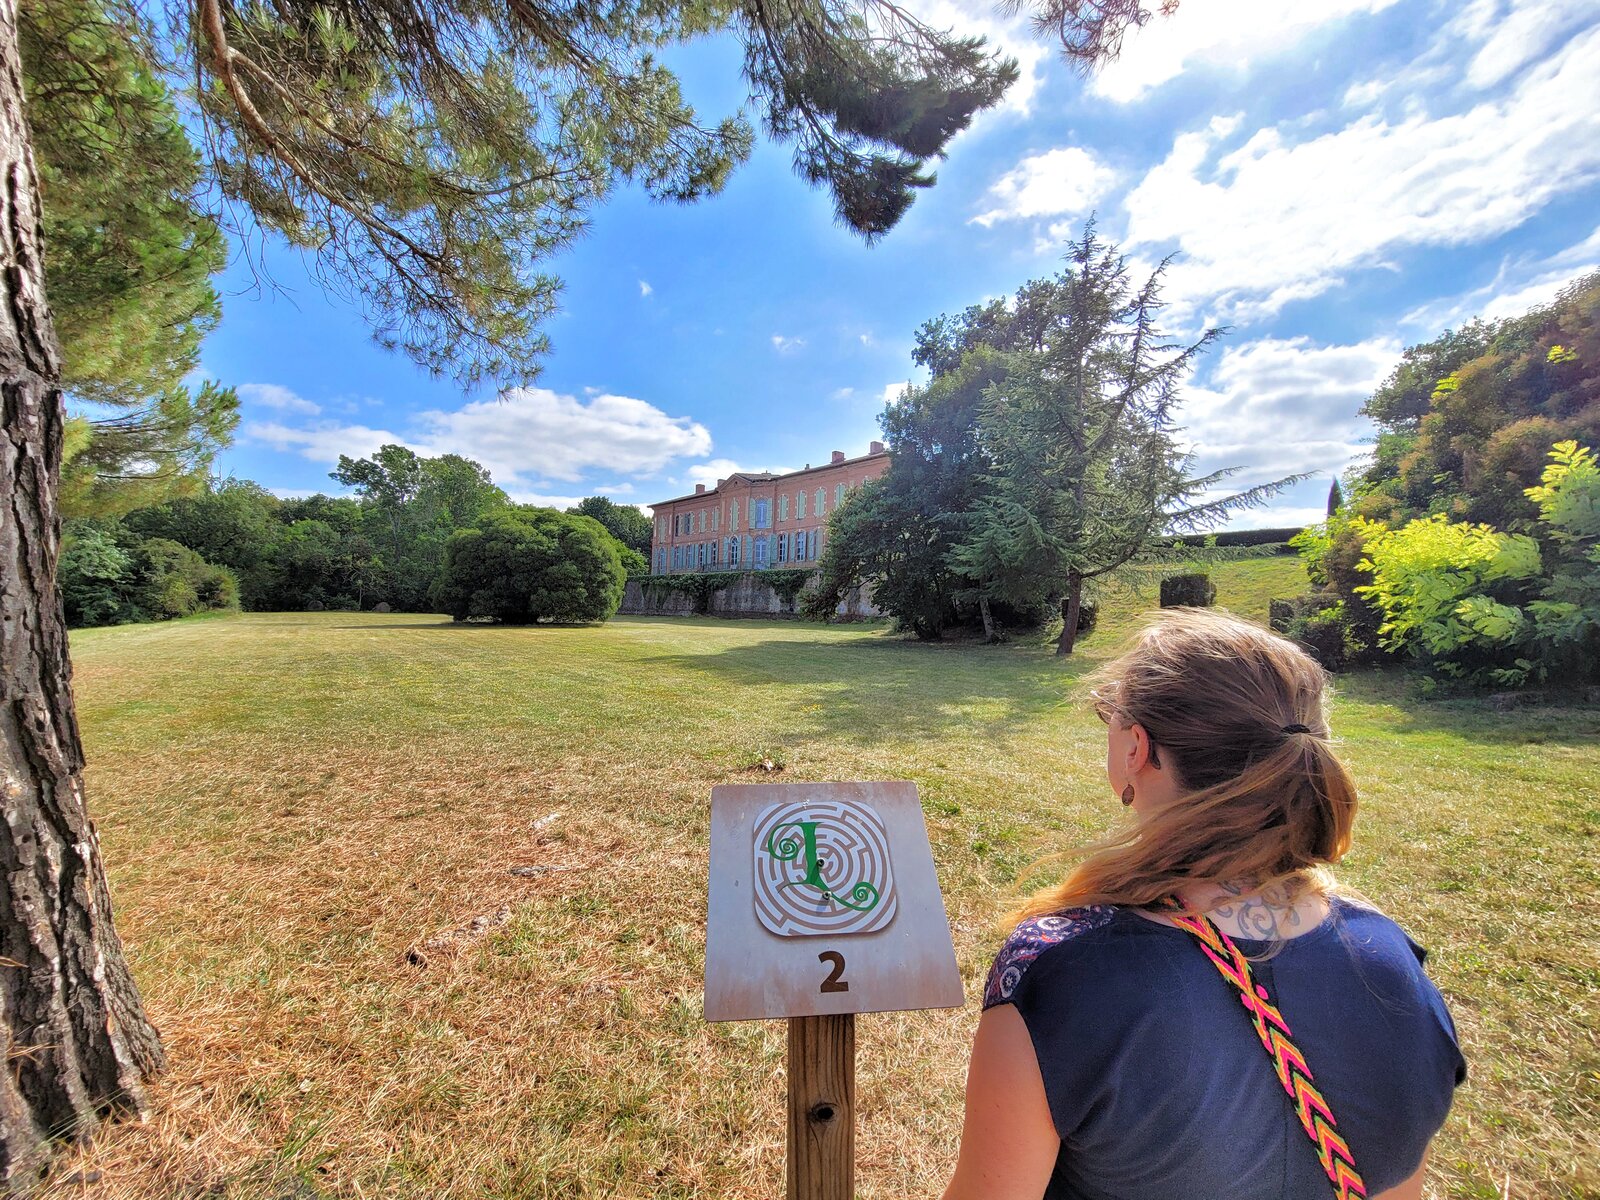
(1259, 800)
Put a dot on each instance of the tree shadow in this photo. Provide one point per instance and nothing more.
(1565, 721)
(877, 690)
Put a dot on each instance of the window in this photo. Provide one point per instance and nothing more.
(715, 514)
(733, 552)
(733, 514)
(761, 514)
(811, 545)
(744, 549)
(783, 507)
(820, 492)
(711, 560)
(677, 557)
(661, 562)
(800, 505)
(760, 560)
(783, 547)
(838, 495)
(701, 527)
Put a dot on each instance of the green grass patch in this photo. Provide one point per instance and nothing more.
(311, 820)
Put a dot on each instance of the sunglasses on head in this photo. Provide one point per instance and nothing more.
(1105, 708)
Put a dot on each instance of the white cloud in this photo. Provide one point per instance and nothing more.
(786, 345)
(544, 500)
(1279, 515)
(1526, 31)
(1215, 33)
(1276, 220)
(843, 393)
(644, 288)
(1364, 94)
(893, 393)
(322, 443)
(534, 432)
(1066, 180)
(274, 396)
(866, 339)
(1519, 285)
(1309, 396)
(526, 434)
(287, 493)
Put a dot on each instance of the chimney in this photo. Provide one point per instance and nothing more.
(875, 448)
(699, 489)
(720, 482)
(838, 456)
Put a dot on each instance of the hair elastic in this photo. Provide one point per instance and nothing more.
(1296, 728)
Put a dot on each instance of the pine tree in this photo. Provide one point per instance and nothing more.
(1335, 497)
(1087, 470)
(131, 255)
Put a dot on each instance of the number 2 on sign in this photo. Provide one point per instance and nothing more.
(835, 982)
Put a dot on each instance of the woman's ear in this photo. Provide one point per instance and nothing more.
(1140, 750)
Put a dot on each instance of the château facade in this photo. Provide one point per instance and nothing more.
(755, 520)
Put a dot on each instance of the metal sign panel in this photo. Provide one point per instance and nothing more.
(823, 900)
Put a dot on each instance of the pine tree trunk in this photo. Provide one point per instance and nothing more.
(988, 619)
(1071, 605)
(76, 1043)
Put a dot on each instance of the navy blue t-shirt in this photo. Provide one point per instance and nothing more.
(1159, 1087)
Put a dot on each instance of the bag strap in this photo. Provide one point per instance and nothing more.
(1316, 1118)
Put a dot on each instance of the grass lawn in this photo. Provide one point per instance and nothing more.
(298, 810)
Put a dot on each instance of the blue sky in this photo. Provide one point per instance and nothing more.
(1339, 178)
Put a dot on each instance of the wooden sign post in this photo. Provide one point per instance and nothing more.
(823, 903)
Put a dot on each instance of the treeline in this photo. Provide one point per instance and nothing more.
(237, 545)
(1470, 542)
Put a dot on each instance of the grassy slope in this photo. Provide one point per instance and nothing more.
(289, 803)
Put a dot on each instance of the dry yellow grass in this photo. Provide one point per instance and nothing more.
(289, 804)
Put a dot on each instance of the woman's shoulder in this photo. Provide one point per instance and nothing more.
(1365, 927)
(1034, 937)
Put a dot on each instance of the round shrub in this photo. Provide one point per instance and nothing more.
(1194, 590)
(523, 565)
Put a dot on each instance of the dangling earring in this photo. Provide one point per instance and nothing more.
(1127, 795)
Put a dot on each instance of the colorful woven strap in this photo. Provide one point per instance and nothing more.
(1309, 1104)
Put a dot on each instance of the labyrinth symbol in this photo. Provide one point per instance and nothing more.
(822, 867)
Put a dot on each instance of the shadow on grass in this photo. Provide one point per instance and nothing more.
(878, 690)
(1564, 722)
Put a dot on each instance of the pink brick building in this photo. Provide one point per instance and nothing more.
(753, 521)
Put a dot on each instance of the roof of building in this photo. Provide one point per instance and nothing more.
(768, 476)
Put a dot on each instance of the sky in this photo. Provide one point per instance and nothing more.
(1337, 179)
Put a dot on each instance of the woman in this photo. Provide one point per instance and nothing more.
(1286, 1043)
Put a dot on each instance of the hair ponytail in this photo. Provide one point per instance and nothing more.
(1225, 702)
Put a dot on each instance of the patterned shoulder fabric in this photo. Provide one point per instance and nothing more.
(1031, 939)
